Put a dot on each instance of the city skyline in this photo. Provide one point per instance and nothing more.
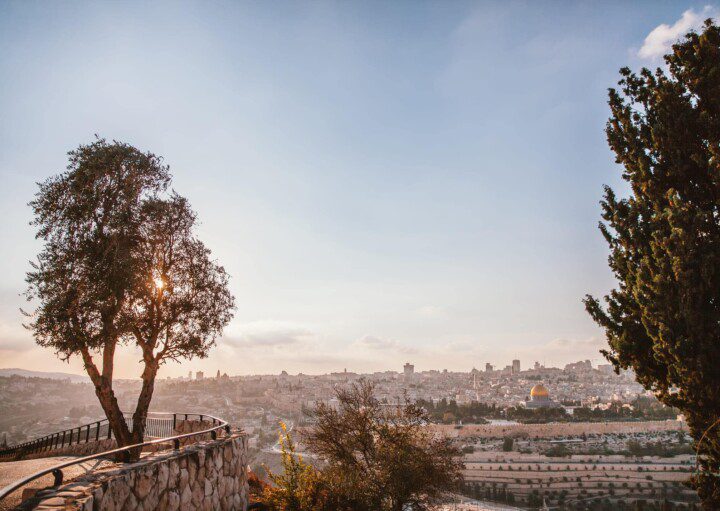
(378, 194)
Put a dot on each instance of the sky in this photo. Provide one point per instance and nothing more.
(384, 181)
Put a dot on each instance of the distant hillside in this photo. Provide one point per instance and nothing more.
(75, 378)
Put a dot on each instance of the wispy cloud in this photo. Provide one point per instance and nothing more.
(562, 343)
(269, 334)
(378, 343)
(662, 37)
(433, 312)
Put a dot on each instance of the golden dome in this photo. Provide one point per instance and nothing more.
(539, 390)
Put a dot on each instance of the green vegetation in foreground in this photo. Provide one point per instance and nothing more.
(377, 459)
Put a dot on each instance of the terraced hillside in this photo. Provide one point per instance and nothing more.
(528, 478)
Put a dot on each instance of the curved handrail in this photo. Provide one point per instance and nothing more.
(49, 442)
(57, 473)
(91, 432)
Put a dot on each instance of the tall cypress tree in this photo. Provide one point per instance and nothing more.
(663, 319)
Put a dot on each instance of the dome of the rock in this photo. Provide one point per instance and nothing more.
(539, 390)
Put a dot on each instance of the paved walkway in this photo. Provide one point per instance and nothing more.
(13, 470)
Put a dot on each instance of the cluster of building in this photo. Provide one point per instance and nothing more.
(259, 402)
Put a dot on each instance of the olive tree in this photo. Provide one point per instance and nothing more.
(120, 265)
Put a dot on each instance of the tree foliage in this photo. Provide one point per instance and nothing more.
(120, 265)
(663, 319)
(384, 456)
(300, 487)
(376, 458)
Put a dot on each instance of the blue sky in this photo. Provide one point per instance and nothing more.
(385, 181)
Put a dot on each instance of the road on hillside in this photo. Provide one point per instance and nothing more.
(463, 503)
(11, 471)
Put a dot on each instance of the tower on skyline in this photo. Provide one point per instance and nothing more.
(408, 370)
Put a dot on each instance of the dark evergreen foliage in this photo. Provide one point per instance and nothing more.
(663, 319)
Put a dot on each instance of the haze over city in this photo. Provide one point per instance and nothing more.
(382, 184)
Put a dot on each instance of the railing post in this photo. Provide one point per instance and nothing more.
(58, 476)
(87, 434)
(79, 433)
(174, 421)
(109, 431)
(97, 431)
(63, 440)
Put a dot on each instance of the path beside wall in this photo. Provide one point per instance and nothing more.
(207, 475)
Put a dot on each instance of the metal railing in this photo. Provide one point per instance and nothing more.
(157, 425)
(172, 418)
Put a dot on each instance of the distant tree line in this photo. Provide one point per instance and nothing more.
(449, 412)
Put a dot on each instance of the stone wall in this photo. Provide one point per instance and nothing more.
(207, 475)
(556, 429)
(191, 426)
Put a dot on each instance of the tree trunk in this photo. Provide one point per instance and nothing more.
(115, 417)
(108, 401)
(143, 404)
